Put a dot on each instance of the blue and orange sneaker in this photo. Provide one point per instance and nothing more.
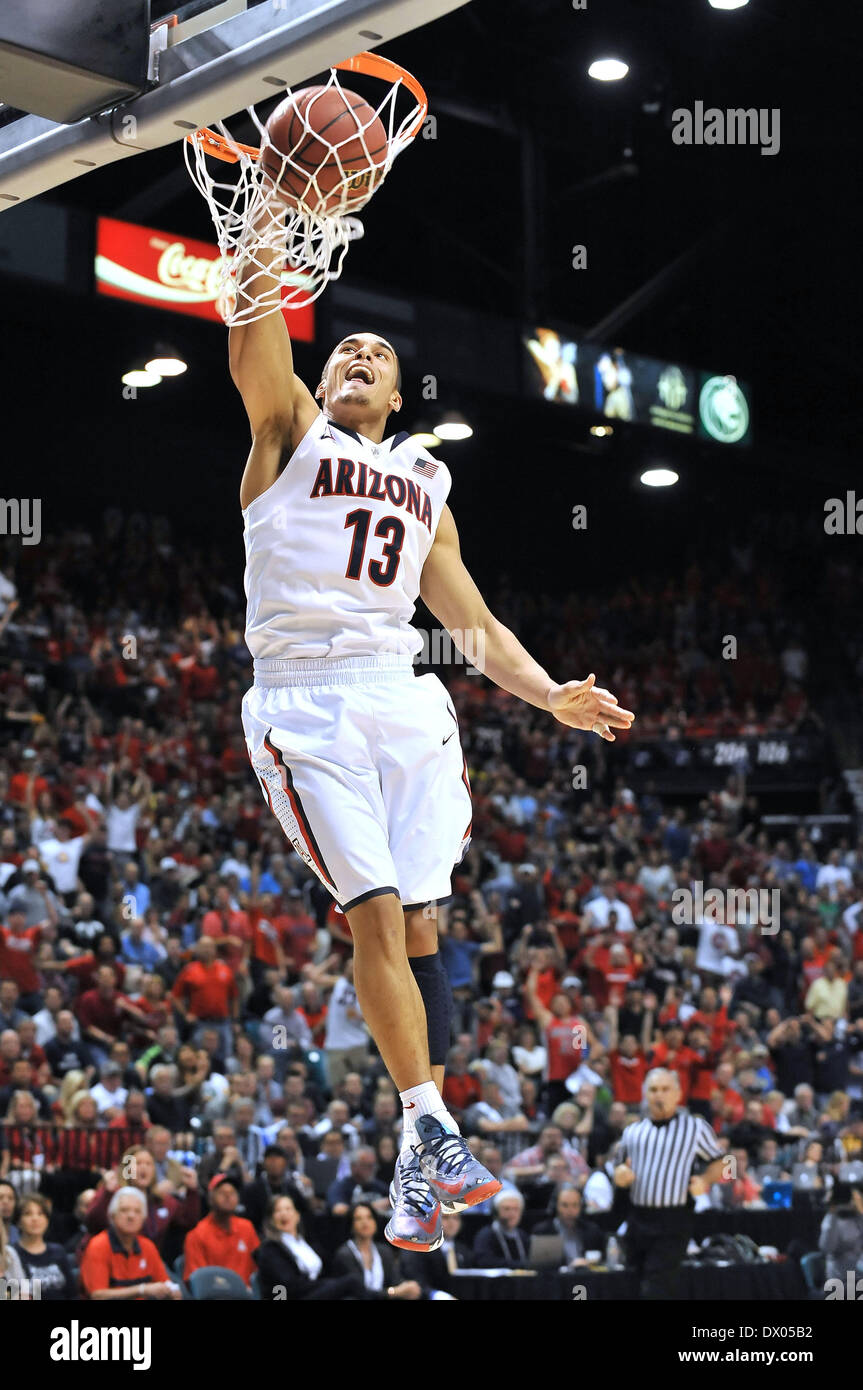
(455, 1177)
(416, 1220)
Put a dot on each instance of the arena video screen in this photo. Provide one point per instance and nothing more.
(607, 380)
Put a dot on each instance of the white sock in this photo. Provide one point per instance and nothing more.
(423, 1100)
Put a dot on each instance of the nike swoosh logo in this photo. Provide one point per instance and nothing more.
(428, 1226)
(453, 1187)
(449, 736)
(412, 1106)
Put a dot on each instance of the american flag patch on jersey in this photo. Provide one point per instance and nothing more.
(425, 467)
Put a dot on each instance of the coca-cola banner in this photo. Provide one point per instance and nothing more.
(171, 272)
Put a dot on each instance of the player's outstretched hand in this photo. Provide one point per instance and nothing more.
(584, 705)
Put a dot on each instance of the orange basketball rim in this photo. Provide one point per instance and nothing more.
(372, 64)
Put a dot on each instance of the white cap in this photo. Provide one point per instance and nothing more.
(31, 866)
(167, 863)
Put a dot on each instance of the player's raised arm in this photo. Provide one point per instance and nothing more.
(451, 595)
(279, 406)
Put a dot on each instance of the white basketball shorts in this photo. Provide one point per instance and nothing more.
(360, 760)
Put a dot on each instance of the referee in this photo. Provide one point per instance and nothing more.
(656, 1156)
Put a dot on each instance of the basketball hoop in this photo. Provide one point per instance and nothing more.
(313, 233)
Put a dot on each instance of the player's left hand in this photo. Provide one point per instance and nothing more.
(584, 705)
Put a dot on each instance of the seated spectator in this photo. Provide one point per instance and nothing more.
(48, 1263)
(291, 1268)
(497, 1067)
(529, 1055)
(841, 1238)
(530, 1163)
(222, 1238)
(21, 1080)
(223, 1157)
(768, 1167)
(166, 1218)
(800, 1113)
(503, 1245)
(461, 1088)
(10, 1261)
(386, 1153)
(109, 1093)
(138, 948)
(11, 1013)
(274, 1180)
(376, 1261)
(744, 1188)
(133, 1117)
(172, 1176)
(751, 1130)
(360, 1185)
(434, 1270)
(577, 1232)
(8, 1205)
(487, 1117)
(65, 1051)
(168, 1102)
(120, 1263)
(385, 1119)
(103, 1013)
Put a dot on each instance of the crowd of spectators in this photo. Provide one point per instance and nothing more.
(185, 1077)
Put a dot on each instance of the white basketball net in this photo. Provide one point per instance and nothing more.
(310, 238)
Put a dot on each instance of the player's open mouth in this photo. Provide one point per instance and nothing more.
(359, 372)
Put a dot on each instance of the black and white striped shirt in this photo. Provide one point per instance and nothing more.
(661, 1156)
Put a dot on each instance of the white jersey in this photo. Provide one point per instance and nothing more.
(336, 546)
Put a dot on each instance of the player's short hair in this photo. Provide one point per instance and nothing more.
(383, 340)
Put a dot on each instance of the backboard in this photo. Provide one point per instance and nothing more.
(206, 61)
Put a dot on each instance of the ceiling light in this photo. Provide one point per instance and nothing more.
(453, 426)
(727, 4)
(167, 366)
(425, 438)
(601, 431)
(659, 477)
(608, 69)
(141, 378)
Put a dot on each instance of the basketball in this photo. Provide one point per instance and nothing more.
(325, 147)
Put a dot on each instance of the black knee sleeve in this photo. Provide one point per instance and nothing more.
(434, 986)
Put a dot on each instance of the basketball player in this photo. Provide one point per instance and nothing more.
(358, 758)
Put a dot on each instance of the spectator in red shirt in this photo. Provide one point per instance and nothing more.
(300, 931)
(713, 1015)
(628, 1060)
(612, 969)
(702, 1072)
(673, 1054)
(314, 1011)
(205, 993)
(103, 1013)
(230, 928)
(18, 945)
(222, 1238)
(714, 851)
(121, 1263)
(461, 1088)
(566, 1036)
(268, 937)
(726, 1103)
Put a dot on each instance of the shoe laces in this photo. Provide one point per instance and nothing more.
(415, 1191)
(451, 1153)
